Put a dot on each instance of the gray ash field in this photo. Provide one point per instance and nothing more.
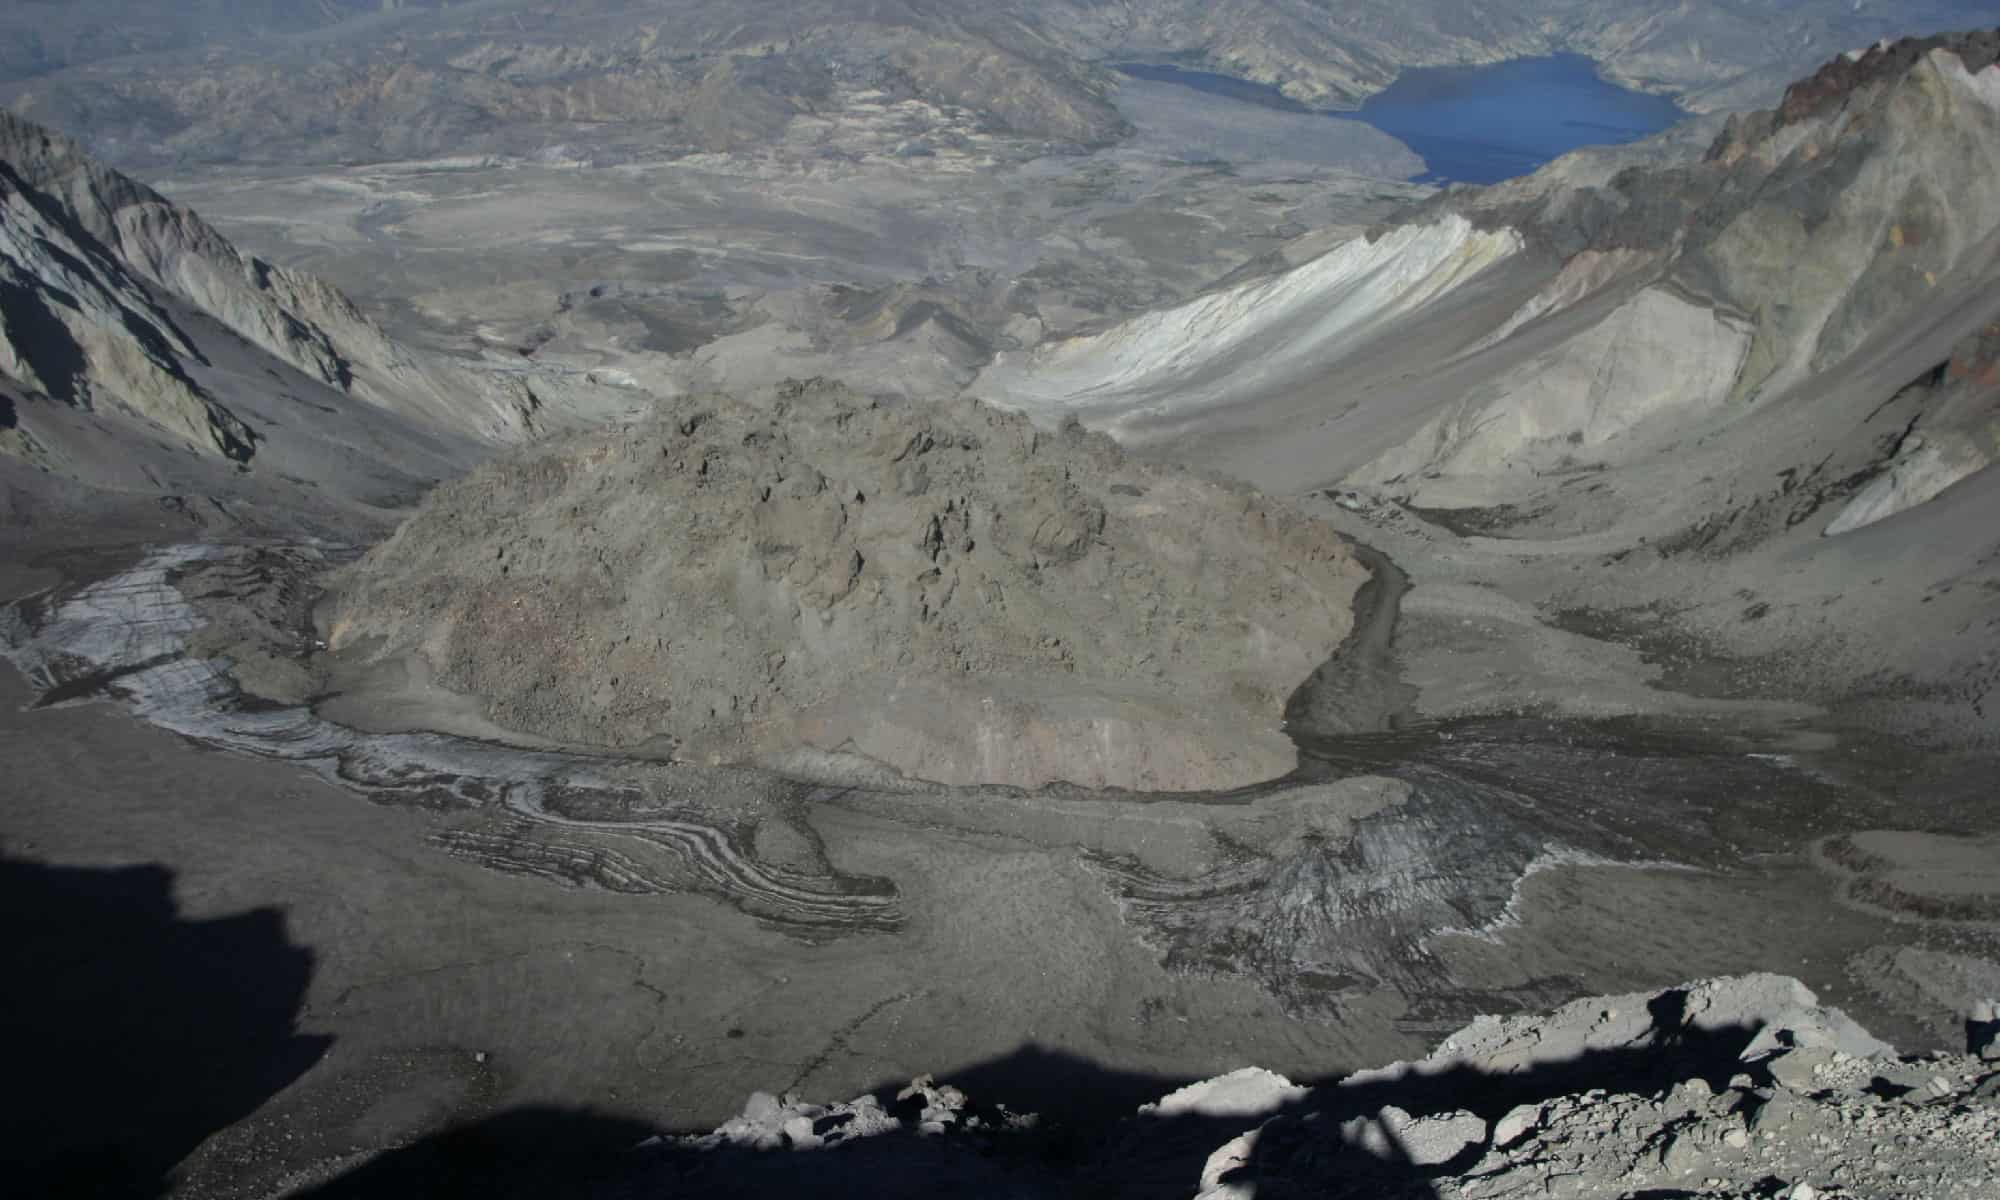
(606, 581)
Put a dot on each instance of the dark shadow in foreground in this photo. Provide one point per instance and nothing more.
(131, 1032)
(1277, 1170)
(1092, 1145)
(531, 1153)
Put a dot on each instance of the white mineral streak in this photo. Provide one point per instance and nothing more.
(1200, 355)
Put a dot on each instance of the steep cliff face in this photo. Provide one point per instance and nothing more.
(147, 242)
(78, 327)
(117, 303)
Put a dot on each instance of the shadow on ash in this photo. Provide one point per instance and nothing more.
(1736, 1087)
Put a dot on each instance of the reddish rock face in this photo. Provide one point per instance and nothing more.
(1977, 360)
(1831, 86)
(1835, 81)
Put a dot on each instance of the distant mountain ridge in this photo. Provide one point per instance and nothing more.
(345, 80)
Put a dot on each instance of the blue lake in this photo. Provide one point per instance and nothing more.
(1478, 124)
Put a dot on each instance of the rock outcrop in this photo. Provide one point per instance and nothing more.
(1955, 435)
(78, 326)
(96, 264)
(131, 330)
(947, 590)
(1733, 1088)
(1728, 1087)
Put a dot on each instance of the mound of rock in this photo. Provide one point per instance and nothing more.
(1737, 1088)
(1734, 1087)
(945, 590)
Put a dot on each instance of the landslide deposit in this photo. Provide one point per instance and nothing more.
(943, 589)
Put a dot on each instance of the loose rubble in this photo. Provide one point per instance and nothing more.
(1807, 1106)
(1813, 1106)
(946, 590)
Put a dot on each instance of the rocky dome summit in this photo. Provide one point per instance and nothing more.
(946, 590)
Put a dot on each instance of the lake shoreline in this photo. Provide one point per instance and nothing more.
(1473, 124)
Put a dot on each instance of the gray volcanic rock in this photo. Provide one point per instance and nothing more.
(1806, 231)
(1955, 436)
(75, 223)
(131, 331)
(1813, 1105)
(75, 325)
(946, 590)
(1738, 1087)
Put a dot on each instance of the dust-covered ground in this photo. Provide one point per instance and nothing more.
(893, 244)
(378, 924)
(596, 949)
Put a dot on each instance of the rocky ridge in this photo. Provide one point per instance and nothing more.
(946, 590)
(1806, 232)
(1738, 1088)
(1743, 361)
(423, 79)
(1655, 298)
(119, 304)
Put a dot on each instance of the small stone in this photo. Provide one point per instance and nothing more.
(1983, 1030)
(1232, 1157)
(1431, 1141)
(1737, 1139)
(1805, 1191)
(761, 1107)
(1249, 1092)
(1681, 1155)
(1519, 1122)
(800, 1131)
(1799, 1069)
(1779, 1110)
